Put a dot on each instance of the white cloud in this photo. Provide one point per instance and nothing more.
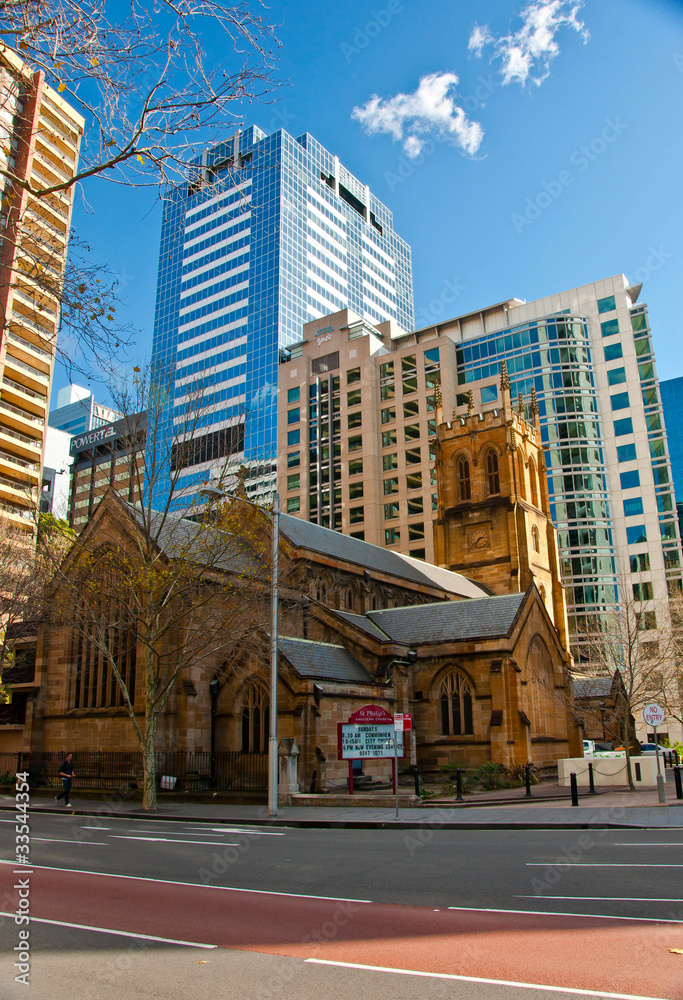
(431, 108)
(479, 38)
(526, 54)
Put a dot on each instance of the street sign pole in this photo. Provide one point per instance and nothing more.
(661, 790)
(654, 716)
(396, 767)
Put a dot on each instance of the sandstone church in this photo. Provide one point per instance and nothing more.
(475, 648)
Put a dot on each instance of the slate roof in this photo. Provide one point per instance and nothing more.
(323, 661)
(363, 623)
(593, 687)
(306, 535)
(450, 621)
(174, 535)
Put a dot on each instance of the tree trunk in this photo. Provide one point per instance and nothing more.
(149, 793)
(627, 748)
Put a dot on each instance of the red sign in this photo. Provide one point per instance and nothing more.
(371, 714)
(403, 722)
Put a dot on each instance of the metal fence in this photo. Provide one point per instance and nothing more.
(225, 770)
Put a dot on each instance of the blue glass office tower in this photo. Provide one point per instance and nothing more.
(672, 405)
(271, 233)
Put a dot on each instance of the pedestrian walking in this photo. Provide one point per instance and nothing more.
(66, 773)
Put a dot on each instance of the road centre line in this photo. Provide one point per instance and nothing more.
(629, 844)
(555, 913)
(109, 930)
(478, 979)
(592, 864)
(102, 828)
(193, 885)
(165, 840)
(75, 840)
(608, 899)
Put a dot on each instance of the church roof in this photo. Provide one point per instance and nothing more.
(323, 661)
(450, 621)
(593, 687)
(330, 543)
(364, 624)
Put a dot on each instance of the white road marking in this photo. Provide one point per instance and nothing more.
(592, 864)
(165, 840)
(89, 843)
(194, 885)
(479, 979)
(109, 930)
(562, 913)
(610, 899)
(103, 828)
(629, 844)
(248, 833)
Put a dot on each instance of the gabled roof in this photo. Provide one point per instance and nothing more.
(323, 661)
(363, 623)
(305, 535)
(177, 535)
(450, 621)
(593, 687)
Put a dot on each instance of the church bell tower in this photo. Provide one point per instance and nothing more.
(493, 522)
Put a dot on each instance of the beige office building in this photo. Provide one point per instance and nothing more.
(39, 142)
(357, 429)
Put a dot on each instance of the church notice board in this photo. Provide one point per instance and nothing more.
(368, 734)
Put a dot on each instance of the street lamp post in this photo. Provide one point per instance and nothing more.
(214, 491)
(274, 602)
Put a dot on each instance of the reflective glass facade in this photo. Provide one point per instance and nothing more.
(553, 356)
(273, 233)
(609, 475)
(672, 404)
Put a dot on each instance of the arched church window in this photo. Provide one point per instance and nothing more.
(455, 699)
(492, 472)
(535, 540)
(464, 484)
(540, 688)
(533, 482)
(255, 718)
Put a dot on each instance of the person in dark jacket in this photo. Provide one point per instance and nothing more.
(66, 773)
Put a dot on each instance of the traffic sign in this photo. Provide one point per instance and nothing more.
(403, 722)
(653, 715)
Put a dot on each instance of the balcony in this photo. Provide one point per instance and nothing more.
(51, 168)
(73, 132)
(28, 345)
(28, 447)
(18, 418)
(23, 394)
(28, 299)
(35, 373)
(6, 456)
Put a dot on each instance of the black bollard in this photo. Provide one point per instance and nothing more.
(678, 783)
(315, 775)
(575, 790)
(458, 785)
(527, 778)
(591, 781)
(416, 776)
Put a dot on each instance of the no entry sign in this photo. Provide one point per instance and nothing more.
(653, 715)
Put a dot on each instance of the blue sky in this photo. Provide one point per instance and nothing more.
(555, 159)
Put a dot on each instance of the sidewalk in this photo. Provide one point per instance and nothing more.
(613, 809)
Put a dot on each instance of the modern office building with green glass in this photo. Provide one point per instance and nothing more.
(589, 355)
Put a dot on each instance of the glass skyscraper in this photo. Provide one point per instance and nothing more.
(271, 233)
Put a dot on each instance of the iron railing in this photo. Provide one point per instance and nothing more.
(225, 770)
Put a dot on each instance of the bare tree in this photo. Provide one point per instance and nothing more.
(138, 75)
(150, 591)
(635, 638)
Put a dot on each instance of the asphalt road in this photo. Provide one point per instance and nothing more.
(274, 905)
